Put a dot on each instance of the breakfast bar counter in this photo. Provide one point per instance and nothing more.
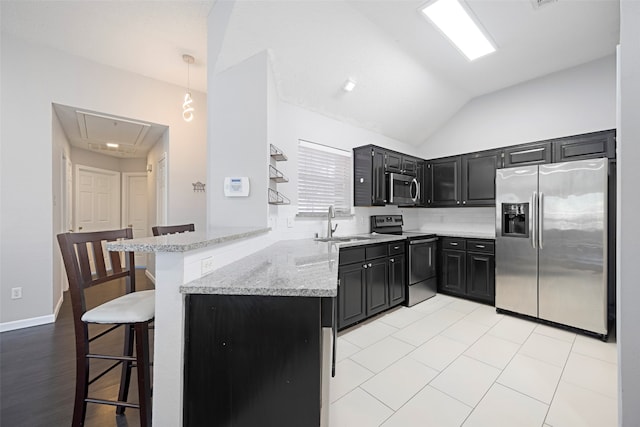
(228, 295)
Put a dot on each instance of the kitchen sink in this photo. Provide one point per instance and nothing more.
(341, 239)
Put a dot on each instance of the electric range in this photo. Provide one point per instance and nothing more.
(421, 261)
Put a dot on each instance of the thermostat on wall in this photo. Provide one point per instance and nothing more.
(236, 186)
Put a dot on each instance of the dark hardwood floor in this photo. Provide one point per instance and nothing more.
(37, 370)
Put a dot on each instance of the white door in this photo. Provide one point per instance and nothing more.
(97, 199)
(134, 209)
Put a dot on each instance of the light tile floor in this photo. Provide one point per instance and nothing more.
(451, 362)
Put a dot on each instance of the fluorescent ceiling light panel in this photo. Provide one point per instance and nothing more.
(112, 145)
(454, 21)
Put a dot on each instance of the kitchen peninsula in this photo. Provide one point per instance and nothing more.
(231, 326)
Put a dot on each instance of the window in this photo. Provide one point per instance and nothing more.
(324, 179)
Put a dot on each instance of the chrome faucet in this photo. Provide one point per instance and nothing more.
(330, 230)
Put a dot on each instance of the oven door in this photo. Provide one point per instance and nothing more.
(402, 190)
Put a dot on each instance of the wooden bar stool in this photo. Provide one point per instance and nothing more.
(133, 310)
(160, 230)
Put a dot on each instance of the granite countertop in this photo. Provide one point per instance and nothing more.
(183, 242)
(304, 267)
(472, 231)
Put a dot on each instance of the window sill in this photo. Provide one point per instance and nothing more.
(323, 215)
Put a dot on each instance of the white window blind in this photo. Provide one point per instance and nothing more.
(324, 179)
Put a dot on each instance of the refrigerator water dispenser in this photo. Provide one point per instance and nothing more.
(515, 219)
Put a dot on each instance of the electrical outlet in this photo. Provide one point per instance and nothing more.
(207, 265)
(16, 293)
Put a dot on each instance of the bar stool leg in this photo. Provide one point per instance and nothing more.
(144, 372)
(125, 378)
(82, 377)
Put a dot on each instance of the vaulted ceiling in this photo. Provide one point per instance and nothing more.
(410, 79)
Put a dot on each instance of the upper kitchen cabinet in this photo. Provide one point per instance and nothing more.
(445, 181)
(423, 174)
(528, 154)
(587, 146)
(400, 163)
(368, 176)
(479, 177)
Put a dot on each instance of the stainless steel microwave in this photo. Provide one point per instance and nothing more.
(402, 190)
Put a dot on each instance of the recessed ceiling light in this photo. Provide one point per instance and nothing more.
(112, 145)
(349, 85)
(456, 23)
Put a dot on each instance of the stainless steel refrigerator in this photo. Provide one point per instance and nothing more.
(551, 242)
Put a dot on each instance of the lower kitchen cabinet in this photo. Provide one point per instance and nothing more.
(372, 278)
(377, 278)
(468, 268)
(453, 271)
(397, 280)
(351, 294)
(253, 361)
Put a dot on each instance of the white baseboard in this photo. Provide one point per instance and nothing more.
(150, 276)
(27, 323)
(34, 321)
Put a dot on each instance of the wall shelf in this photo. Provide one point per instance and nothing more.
(276, 176)
(277, 198)
(277, 154)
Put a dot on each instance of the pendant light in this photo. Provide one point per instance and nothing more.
(187, 108)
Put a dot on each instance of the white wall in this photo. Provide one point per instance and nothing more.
(238, 143)
(34, 77)
(570, 102)
(628, 208)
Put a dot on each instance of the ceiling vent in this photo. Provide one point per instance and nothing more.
(537, 4)
(102, 128)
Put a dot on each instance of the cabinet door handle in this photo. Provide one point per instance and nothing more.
(454, 244)
(364, 266)
(392, 260)
(396, 247)
(369, 264)
(464, 202)
(480, 246)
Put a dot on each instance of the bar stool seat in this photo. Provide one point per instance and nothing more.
(130, 308)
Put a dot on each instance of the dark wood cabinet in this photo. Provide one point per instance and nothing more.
(481, 275)
(527, 154)
(401, 163)
(351, 294)
(247, 358)
(377, 279)
(454, 271)
(397, 279)
(423, 174)
(445, 182)
(587, 146)
(372, 278)
(369, 188)
(468, 268)
(479, 178)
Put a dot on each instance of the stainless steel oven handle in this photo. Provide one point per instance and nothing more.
(415, 242)
(391, 188)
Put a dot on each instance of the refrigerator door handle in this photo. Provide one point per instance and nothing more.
(533, 214)
(541, 219)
